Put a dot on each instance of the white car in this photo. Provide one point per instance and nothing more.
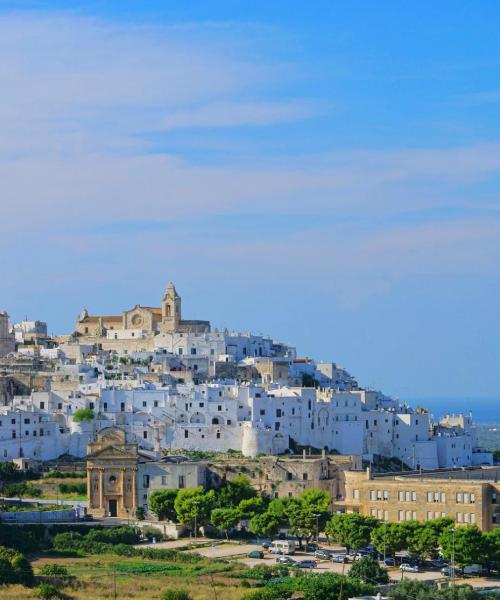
(410, 568)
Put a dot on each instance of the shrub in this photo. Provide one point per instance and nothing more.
(83, 414)
(73, 488)
(14, 568)
(47, 591)
(140, 513)
(175, 595)
(54, 570)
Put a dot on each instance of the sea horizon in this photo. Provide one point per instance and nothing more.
(484, 410)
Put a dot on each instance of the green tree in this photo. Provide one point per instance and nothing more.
(467, 544)
(251, 507)
(162, 504)
(266, 524)
(9, 472)
(235, 491)
(419, 590)
(424, 540)
(83, 414)
(193, 506)
(333, 586)
(368, 570)
(14, 567)
(388, 538)
(492, 548)
(352, 530)
(225, 519)
(22, 490)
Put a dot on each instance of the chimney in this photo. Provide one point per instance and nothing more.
(304, 454)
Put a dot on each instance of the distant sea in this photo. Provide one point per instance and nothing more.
(484, 410)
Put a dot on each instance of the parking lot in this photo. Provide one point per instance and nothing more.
(240, 552)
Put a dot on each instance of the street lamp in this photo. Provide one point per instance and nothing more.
(317, 515)
(453, 531)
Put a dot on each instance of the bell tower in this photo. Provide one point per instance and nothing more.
(171, 309)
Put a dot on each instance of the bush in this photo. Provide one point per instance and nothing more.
(54, 570)
(65, 475)
(175, 595)
(140, 513)
(47, 591)
(14, 568)
(368, 570)
(73, 488)
(83, 414)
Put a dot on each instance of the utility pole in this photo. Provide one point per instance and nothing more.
(196, 503)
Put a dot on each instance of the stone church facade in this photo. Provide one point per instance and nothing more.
(112, 475)
(141, 320)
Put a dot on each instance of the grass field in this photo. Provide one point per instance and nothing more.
(97, 578)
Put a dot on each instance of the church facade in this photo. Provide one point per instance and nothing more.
(141, 321)
(112, 474)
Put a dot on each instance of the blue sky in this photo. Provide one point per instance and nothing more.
(324, 172)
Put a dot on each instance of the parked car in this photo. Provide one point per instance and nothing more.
(311, 547)
(339, 558)
(87, 517)
(323, 554)
(266, 545)
(411, 568)
(437, 563)
(351, 556)
(285, 560)
(389, 561)
(446, 571)
(256, 554)
(306, 564)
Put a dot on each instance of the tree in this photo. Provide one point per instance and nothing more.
(388, 538)
(420, 590)
(251, 507)
(352, 530)
(162, 504)
(225, 519)
(468, 545)
(368, 570)
(266, 524)
(235, 491)
(329, 586)
(9, 472)
(424, 540)
(21, 490)
(14, 567)
(193, 506)
(83, 414)
(492, 547)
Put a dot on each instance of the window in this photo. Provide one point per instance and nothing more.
(262, 412)
(193, 350)
(13, 434)
(355, 494)
(122, 406)
(219, 407)
(105, 406)
(156, 403)
(460, 497)
(278, 413)
(201, 404)
(414, 496)
(373, 495)
(401, 496)
(144, 403)
(145, 481)
(277, 426)
(182, 481)
(304, 477)
(186, 433)
(386, 495)
(59, 406)
(164, 480)
(218, 435)
(145, 435)
(26, 421)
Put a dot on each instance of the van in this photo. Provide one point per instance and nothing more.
(473, 570)
(283, 547)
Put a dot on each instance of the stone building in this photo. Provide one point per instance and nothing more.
(141, 321)
(112, 474)
(470, 496)
(7, 339)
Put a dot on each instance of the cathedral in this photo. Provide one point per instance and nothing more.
(166, 318)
